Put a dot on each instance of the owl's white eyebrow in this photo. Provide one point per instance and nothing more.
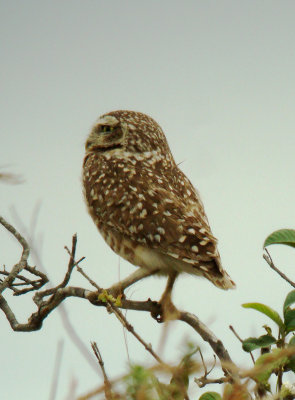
(108, 120)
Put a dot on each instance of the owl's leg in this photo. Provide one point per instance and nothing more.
(136, 276)
(169, 311)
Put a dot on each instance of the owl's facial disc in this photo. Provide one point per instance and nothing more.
(107, 134)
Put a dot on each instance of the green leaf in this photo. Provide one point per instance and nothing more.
(253, 343)
(290, 299)
(266, 310)
(210, 396)
(290, 320)
(268, 363)
(282, 236)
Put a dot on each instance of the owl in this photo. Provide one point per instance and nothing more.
(144, 206)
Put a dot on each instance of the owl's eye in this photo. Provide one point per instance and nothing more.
(106, 128)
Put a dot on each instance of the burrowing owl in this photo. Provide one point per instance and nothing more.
(143, 205)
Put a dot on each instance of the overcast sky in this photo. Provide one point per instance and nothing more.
(218, 76)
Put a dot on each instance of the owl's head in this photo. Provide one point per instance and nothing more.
(127, 130)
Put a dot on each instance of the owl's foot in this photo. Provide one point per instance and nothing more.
(169, 311)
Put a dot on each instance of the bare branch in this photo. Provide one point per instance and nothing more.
(107, 384)
(24, 257)
(50, 299)
(216, 344)
(235, 333)
(38, 317)
(204, 380)
(269, 261)
(32, 285)
(130, 329)
(124, 322)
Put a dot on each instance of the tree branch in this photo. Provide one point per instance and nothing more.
(38, 299)
(216, 344)
(24, 257)
(50, 299)
(107, 383)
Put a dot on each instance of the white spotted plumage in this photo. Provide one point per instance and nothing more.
(142, 203)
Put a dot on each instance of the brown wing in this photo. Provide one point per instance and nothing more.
(154, 207)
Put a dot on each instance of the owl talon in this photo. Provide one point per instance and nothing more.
(169, 311)
(158, 315)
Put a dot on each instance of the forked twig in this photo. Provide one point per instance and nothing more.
(45, 307)
(107, 383)
(269, 261)
(8, 281)
(204, 380)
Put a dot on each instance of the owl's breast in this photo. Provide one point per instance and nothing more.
(135, 253)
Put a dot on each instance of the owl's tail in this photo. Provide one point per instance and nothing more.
(223, 281)
(218, 276)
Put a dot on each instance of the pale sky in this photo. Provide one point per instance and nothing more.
(218, 76)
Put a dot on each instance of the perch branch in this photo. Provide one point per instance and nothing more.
(50, 299)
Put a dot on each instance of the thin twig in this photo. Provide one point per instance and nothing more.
(131, 329)
(24, 257)
(33, 285)
(241, 340)
(94, 284)
(216, 344)
(235, 333)
(269, 261)
(203, 381)
(107, 384)
(71, 265)
(124, 321)
(203, 363)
